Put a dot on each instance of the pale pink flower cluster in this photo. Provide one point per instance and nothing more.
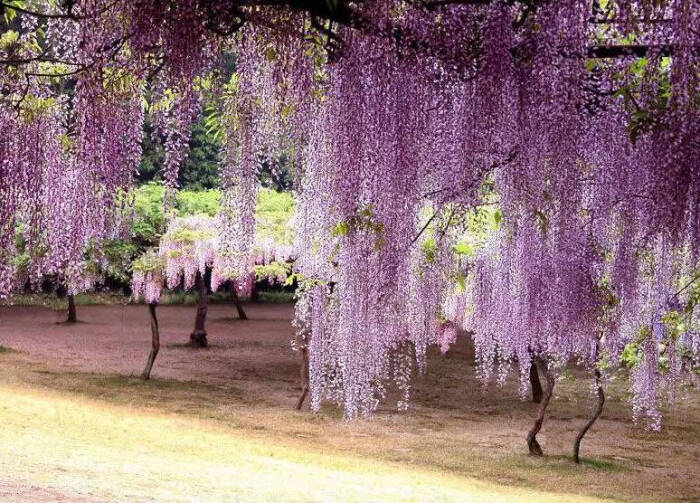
(190, 246)
(147, 285)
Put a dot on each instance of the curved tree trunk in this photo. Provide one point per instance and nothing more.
(596, 414)
(155, 342)
(72, 315)
(535, 384)
(198, 337)
(304, 374)
(532, 444)
(237, 303)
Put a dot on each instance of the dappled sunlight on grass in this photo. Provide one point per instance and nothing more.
(208, 416)
(85, 448)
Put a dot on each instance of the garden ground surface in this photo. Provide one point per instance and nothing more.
(218, 424)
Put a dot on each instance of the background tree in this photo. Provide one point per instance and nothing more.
(147, 282)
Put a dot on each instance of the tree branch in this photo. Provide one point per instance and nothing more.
(47, 15)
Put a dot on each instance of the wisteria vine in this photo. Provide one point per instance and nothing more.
(579, 119)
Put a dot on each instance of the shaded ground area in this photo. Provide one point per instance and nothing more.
(246, 384)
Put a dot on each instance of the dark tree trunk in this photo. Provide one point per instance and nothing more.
(198, 337)
(544, 372)
(254, 296)
(155, 342)
(596, 414)
(72, 315)
(535, 384)
(304, 374)
(237, 303)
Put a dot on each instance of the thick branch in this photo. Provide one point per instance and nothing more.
(57, 15)
(198, 337)
(303, 370)
(621, 51)
(535, 384)
(237, 302)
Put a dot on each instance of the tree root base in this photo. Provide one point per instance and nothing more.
(198, 339)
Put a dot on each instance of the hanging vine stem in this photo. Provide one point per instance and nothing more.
(56, 15)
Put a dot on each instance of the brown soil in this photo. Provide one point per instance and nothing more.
(249, 379)
(117, 339)
(11, 492)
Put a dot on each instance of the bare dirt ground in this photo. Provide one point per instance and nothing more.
(12, 492)
(248, 379)
(117, 339)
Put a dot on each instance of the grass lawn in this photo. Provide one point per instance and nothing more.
(219, 424)
(79, 447)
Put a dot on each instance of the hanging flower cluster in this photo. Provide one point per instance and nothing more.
(597, 180)
(601, 204)
(72, 148)
(189, 247)
(580, 118)
(147, 279)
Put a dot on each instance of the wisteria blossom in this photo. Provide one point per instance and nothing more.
(579, 119)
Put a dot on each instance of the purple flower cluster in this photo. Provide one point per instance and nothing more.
(579, 119)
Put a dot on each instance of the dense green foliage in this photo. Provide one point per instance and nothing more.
(199, 171)
(274, 211)
(149, 220)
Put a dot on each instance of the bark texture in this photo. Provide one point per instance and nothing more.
(544, 373)
(535, 384)
(72, 314)
(596, 414)
(303, 374)
(237, 303)
(155, 342)
(198, 337)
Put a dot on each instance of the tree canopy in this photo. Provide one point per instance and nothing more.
(580, 119)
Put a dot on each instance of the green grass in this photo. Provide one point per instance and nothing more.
(276, 297)
(54, 302)
(81, 447)
(603, 465)
(428, 443)
(191, 298)
(110, 298)
(184, 298)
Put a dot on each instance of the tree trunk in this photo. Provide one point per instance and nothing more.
(254, 295)
(237, 303)
(72, 316)
(198, 337)
(535, 384)
(155, 342)
(596, 414)
(532, 443)
(304, 374)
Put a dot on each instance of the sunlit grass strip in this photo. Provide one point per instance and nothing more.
(79, 447)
